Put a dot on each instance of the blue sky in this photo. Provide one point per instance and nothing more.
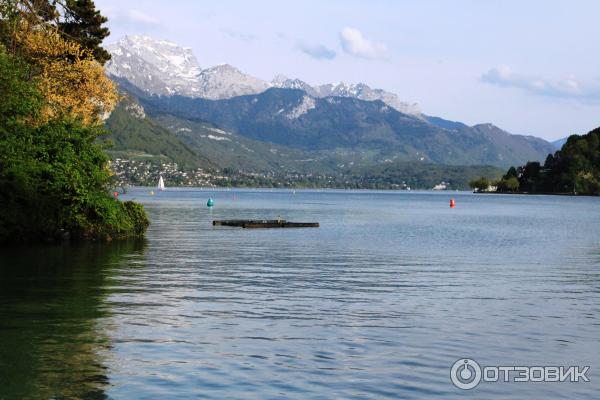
(530, 67)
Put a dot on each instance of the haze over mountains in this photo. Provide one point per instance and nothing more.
(338, 123)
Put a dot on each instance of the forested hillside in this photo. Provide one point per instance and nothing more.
(135, 135)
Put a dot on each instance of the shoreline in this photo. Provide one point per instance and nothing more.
(541, 194)
(289, 189)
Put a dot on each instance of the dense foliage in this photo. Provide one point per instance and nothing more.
(77, 21)
(80, 21)
(574, 169)
(480, 184)
(53, 174)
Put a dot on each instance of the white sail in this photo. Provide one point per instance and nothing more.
(161, 184)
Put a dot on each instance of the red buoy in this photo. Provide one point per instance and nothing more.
(116, 194)
(452, 203)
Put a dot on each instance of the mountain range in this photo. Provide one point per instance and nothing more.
(160, 67)
(332, 125)
(166, 138)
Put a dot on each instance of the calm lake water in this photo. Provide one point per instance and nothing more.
(378, 302)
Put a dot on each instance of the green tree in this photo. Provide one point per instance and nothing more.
(529, 176)
(76, 20)
(511, 173)
(480, 184)
(83, 23)
(575, 168)
(53, 175)
(508, 185)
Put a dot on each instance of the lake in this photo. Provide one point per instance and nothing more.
(379, 302)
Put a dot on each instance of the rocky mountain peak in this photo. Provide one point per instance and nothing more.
(161, 67)
(156, 66)
(279, 79)
(282, 81)
(364, 92)
(225, 81)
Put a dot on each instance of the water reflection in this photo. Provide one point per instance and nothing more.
(51, 298)
(377, 303)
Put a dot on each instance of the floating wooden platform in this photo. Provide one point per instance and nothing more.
(264, 223)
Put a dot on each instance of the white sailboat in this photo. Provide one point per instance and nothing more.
(161, 184)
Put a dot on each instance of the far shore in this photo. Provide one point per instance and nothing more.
(541, 194)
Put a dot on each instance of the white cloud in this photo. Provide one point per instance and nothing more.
(354, 43)
(130, 18)
(317, 51)
(568, 88)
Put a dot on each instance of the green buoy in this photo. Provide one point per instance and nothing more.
(210, 202)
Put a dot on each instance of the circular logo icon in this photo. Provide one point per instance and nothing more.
(465, 373)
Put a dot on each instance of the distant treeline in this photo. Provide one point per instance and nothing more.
(574, 169)
(419, 175)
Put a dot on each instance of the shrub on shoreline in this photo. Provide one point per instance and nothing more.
(53, 175)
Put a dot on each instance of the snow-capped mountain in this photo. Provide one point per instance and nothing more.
(160, 67)
(364, 92)
(359, 91)
(155, 66)
(282, 81)
(224, 82)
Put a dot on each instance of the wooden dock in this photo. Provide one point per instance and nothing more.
(264, 223)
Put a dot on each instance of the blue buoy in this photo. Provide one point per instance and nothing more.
(210, 202)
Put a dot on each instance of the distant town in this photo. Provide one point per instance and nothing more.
(128, 172)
